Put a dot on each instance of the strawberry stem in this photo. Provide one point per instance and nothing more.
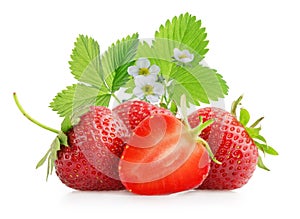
(183, 109)
(116, 98)
(235, 105)
(195, 132)
(32, 119)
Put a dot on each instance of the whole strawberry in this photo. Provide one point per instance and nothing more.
(233, 144)
(132, 113)
(86, 157)
(95, 146)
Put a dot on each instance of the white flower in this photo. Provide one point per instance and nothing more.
(147, 87)
(143, 68)
(183, 56)
(203, 63)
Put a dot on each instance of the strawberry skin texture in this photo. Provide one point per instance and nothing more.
(162, 158)
(134, 112)
(231, 145)
(90, 162)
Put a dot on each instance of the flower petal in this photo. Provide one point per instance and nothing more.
(186, 52)
(140, 81)
(158, 89)
(186, 60)
(154, 69)
(133, 70)
(177, 53)
(137, 91)
(143, 63)
(152, 98)
(192, 56)
(203, 63)
(149, 79)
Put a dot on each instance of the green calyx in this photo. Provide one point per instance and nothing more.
(253, 131)
(60, 139)
(195, 132)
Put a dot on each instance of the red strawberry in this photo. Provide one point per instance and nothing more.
(133, 112)
(86, 157)
(91, 160)
(234, 145)
(162, 157)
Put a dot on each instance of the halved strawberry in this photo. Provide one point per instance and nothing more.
(162, 157)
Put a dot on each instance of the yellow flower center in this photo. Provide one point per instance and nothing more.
(182, 56)
(148, 90)
(144, 71)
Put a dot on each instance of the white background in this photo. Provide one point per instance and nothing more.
(253, 44)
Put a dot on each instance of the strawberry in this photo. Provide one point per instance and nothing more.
(86, 157)
(164, 156)
(91, 160)
(233, 144)
(133, 112)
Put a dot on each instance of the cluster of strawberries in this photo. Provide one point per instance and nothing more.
(147, 150)
(147, 143)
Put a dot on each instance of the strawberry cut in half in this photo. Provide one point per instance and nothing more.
(163, 157)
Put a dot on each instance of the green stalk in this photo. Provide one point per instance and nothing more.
(235, 105)
(116, 98)
(32, 119)
(195, 132)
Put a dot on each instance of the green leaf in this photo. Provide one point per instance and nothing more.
(244, 116)
(185, 83)
(261, 138)
(266, 148)
(210, 80)
(66, 124)
(85, 64)
(270, 150)
(101, 77)
(173, 108)
(199, 84)
(117, 59)
(55, 146)
(253, 132)
(44, 158)
(129, 86)
(184, 32)
(261, 164)
(63, 139)
(78, 96)
(51, 156)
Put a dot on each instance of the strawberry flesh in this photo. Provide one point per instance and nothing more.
(162, 157)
